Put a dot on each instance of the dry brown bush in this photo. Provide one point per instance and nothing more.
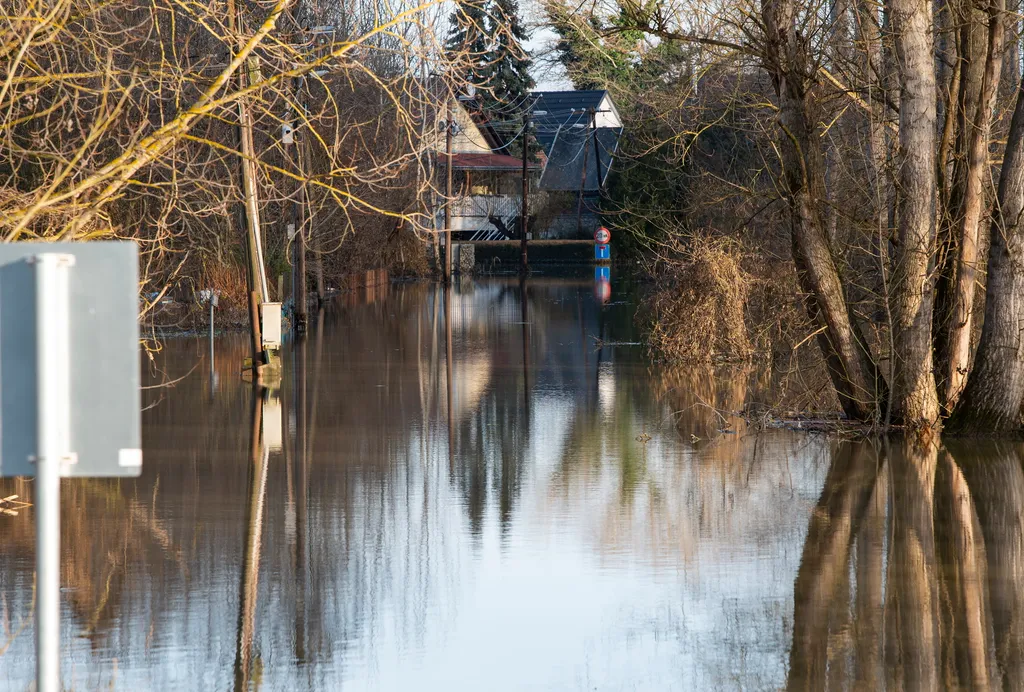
(698, 307)
(715, 301)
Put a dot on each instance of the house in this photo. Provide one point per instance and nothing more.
(486, 185)
(579, 132)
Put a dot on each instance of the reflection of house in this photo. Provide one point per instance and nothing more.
(579, 132)
(487, 185)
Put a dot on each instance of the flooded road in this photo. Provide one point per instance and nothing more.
(543, 510)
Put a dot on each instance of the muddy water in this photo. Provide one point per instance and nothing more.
(543, 511)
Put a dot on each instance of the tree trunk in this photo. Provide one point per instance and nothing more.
(992, 399)
(959, 273)
(1011, 66)
(914, 395)
(870, 36)
(852, 371)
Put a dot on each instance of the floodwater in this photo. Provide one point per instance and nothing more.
(543, 511)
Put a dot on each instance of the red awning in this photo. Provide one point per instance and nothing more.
(486, 162)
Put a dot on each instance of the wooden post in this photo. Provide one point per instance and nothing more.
(448, 197)
(524, 215)
(299, 293)
(597, 150)
(252, 209)
(256, 278)
(257, 337)
(583, 186)
(320, 292)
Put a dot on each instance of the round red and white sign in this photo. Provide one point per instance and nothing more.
(602, 236)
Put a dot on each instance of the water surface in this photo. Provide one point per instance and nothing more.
(544, 510)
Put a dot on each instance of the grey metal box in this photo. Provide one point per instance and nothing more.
(106, 424)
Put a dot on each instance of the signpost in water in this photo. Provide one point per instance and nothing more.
(602, 236)
(70, 401)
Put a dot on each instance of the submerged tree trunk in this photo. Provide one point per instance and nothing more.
(853, 373)
(914, 395)
(992, 399)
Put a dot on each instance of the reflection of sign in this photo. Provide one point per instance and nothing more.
(602, 284)
(273, 436)
(602, 236)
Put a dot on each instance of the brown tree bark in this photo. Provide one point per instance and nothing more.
(870, 39)
(915, 399)
(853, 373)
(992, 399)
(958, 274)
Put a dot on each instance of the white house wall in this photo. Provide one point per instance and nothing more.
(607, 115)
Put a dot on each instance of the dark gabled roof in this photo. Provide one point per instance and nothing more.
(554, 111)
(573, 150)
(485, 162)
(558, 103)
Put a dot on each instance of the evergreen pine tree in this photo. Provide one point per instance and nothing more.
(468, 42)
(488, 35)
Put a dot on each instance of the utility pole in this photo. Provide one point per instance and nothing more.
(297, 225)
(299, 293)
(597, 150)
(524, 216)
(256, 280)
(298, 217)
(250, 189)
(448, 196)
(583, 186)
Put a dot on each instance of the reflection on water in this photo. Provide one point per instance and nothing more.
(490, 489)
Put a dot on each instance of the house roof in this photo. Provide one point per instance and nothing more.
(578, 151)
(558, 102)
(486, 162)
(565, 128)
(555, 111)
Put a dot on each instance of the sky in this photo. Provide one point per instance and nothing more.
(542, 38)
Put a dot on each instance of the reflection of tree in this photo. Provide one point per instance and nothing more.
(996, 482)
(912, 595)
(952, 569)
(824, 566)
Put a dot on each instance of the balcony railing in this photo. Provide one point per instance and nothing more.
(502, 206)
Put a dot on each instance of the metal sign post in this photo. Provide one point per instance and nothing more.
(53, 345)
(66, 411)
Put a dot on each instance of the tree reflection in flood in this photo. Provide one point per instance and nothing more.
(938, 595)
(490, 489)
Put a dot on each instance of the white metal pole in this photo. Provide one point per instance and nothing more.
(53, 445)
